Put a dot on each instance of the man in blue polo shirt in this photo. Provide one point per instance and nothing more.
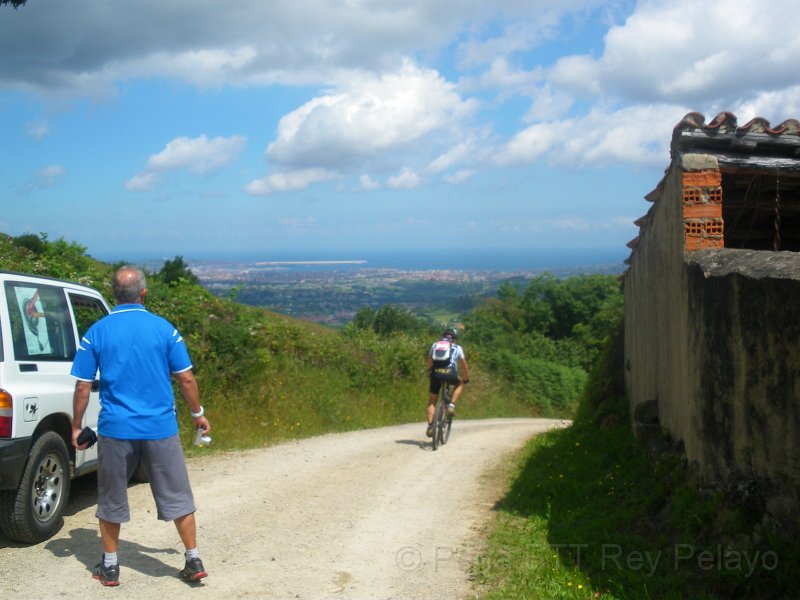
(137, 354)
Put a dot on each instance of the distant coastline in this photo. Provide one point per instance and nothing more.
(276, 263)
(417, 259)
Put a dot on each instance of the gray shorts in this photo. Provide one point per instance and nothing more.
(162, 459)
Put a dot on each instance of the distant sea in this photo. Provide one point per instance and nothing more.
(459, 259)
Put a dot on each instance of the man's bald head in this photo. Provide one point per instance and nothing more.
(128, 285)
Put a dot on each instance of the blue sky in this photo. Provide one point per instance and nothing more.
(251, 127)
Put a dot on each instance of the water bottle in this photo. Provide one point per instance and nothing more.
(200, 439)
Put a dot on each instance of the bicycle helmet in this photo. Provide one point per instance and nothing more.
(450, 333)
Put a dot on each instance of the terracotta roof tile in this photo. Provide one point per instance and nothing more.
(724, 136)
(726, 122)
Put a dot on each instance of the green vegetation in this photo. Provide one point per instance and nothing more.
(176, 270)
(265, 377)
(541, 341)
(390, 319)
(591, 514)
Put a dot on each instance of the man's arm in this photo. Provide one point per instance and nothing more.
(191, 394)
(80, 400)
(463, 369)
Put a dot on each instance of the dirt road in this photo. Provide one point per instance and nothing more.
(362, 515)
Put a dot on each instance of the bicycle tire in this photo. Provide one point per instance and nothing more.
(447, 419)
(448, 424)
(435, 425)
(438, 417)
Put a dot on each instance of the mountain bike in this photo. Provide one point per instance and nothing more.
(442, 419)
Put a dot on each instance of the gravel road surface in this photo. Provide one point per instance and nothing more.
(364, 515)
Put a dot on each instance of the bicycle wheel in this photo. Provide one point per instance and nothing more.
(448, 424)
(447, 418)
(438, 417)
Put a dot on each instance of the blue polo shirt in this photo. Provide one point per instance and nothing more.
(136, 352)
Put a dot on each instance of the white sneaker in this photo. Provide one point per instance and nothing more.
(451, 408)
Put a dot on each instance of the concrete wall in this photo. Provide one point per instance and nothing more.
(656, 315)
(712, 339)
(745, 338)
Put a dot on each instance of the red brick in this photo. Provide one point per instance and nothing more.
(699, 211)
(702, 179)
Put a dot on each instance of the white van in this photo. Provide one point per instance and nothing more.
(41, 322)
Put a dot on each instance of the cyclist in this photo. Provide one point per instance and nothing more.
(447, 363)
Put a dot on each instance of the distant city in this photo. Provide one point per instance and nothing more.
(331, 291)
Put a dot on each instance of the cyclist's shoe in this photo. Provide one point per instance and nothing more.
(429, 431)
(193, 571)
(108, 576)
(451, 409)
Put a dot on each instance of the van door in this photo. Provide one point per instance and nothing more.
(87, 310)
(43, 345)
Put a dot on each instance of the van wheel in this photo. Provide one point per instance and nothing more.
(34, 511)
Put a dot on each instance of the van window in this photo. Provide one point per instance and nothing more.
(87, 310)
(41, 328)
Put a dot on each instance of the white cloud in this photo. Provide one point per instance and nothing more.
(45, 177)
(666, 59)
(405, 180)
(775, 106)
(48, 177)
(203, 67)
(460, 177)
(530, 29)
(368, 115)
(376, 106)
(198, 155)
(370, 122)
(502, 76)
(461, 152)
(143, 182)
(532, 143)
(51, 172)
(366, 184)
(686, 51)
(258, 42)
(636, 135)
(288, 181)
(548, 104)
(38, 130)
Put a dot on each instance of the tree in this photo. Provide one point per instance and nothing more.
(390, 319)
(14, 3)
(176, 270)
(31, 241)
(364, 318)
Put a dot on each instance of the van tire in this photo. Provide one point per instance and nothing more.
(35, 510)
